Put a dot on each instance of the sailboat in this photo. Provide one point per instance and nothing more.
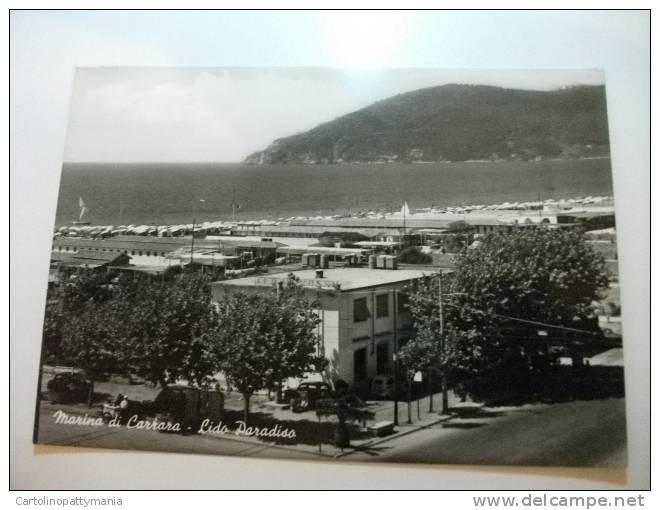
(83, 210)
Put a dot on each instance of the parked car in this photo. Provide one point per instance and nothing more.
(305, 396)
(188, 406)
(68, 387)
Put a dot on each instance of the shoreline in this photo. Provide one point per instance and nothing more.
(548, 206)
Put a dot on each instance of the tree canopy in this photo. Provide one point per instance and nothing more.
(412, 255)
(163, 327)
(507, 289)
(262, 339)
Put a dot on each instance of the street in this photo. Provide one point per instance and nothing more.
(53, 433)
(578, 433)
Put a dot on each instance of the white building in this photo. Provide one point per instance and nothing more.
(360, 320)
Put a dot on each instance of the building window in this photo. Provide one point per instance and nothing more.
(361, 339)
(360, 365)
(382, 305)
(360, 310)
(402, 303)
(382, 359)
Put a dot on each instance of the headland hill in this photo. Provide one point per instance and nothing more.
(456, 123)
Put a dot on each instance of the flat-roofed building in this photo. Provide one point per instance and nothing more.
(88, 259)
(363, 315)
(165, 251)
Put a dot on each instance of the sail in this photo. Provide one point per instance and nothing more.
(405, 211)
(83, 208)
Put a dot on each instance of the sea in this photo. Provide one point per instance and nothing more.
(176, 193)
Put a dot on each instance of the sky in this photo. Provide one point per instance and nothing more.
(145, 114)
(224, 114)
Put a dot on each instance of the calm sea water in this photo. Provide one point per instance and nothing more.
(170, 193)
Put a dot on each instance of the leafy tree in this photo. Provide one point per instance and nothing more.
(163, 327)
(241, 344)
(76, 294)
(293, 352)
(423, 353)
(455, 243)
(459, 226)
(86, 287)
(261, 339)
(432, 349)
(54, 320)
(541, 276)
(537, 276)
(412, 255)
(88, 343)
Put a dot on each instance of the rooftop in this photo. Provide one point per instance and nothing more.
(436, 222)
(340, 278)
(161, 244)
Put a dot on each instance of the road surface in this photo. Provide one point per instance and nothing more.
(121, 437)
(580, 433)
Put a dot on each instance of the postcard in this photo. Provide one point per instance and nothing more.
(398, 265)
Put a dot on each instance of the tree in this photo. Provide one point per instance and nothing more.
(163, 328)
(88, 343)
(294, 349)
(541, 276)
(54, 320)
(412, 255)
(422, 353)
(507, 289)
(76, 294)
(261, 339)
(458, 226)
(430, 349)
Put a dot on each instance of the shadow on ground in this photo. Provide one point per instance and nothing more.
(474, 412)
(307, 431)
(463, 425)
(554, 385)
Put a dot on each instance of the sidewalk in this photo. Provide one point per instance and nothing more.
(426, 419)
(384, 411)
(313, 435)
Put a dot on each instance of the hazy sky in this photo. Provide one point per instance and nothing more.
(223, 114)
(143, 114)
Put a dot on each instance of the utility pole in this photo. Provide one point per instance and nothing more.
(192, 241)
(395, 358)
(445, 399)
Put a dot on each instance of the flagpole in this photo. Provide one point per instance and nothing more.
(192, 240)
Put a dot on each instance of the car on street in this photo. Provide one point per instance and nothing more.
(186, 405)
(68, 387)
(305, 396)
